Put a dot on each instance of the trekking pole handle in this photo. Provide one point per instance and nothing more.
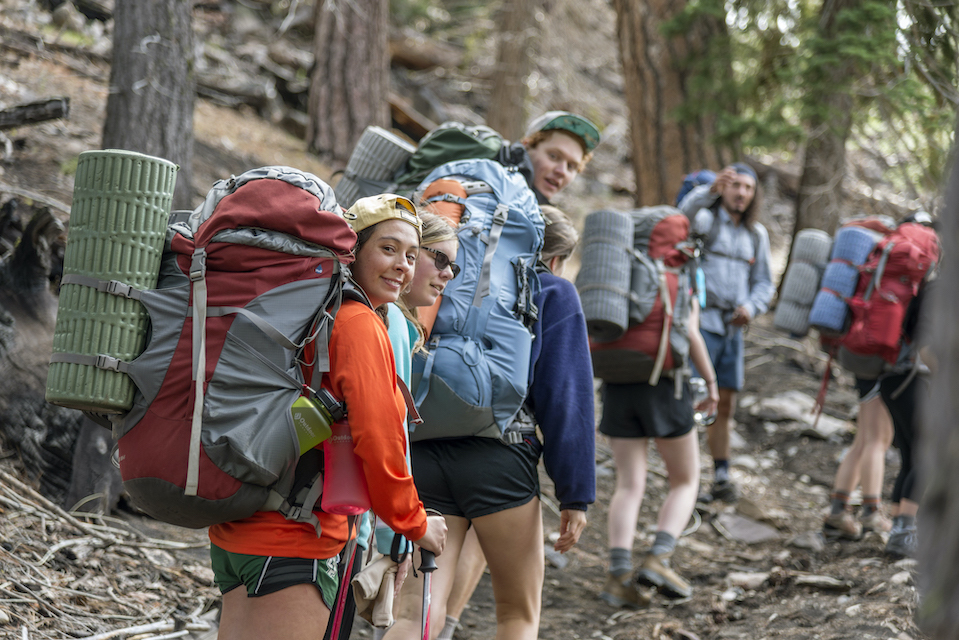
(427, 561)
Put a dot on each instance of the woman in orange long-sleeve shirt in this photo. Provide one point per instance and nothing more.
(287, 572)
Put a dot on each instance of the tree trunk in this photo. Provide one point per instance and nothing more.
(939, 442)
(517, 33)
(657, 73)
(152, 90)
(820, 197)
(349, 84)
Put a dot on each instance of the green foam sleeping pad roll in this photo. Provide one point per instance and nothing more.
(118, 223)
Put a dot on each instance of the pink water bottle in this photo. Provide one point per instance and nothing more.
(345, 491)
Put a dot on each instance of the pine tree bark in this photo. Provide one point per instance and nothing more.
(349, 83)
(939, 442)
(517, 34)
(657, 73)
(820, 195)
(152, 86)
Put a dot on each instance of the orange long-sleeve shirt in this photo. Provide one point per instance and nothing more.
(363, 374)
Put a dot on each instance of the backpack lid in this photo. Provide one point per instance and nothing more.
(447, 142)
(660, 232)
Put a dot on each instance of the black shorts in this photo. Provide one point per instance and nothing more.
(868, 389)
(473, 477)
(641, 410)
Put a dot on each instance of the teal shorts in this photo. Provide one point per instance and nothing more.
(263, 575)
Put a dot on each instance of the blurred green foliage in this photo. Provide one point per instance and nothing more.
(763, 77)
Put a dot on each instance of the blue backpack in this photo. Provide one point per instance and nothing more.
(474, 378)
(693, 180)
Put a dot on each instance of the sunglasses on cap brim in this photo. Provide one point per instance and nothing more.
(441, 260)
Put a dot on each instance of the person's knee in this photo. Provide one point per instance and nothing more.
(630, 484)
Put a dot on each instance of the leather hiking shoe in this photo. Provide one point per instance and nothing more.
(841, 526)
(619, 591)
(902, 543)
(725, 491)
(657, 572)
(877, 522)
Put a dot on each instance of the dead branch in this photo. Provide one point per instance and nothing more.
(34, 112)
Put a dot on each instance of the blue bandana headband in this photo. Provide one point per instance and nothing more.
(742, 167)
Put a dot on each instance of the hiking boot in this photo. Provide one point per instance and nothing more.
(620, 591)
(902, 543)
(841, 526)
(877, 522)
(656, 572)
(724, 491)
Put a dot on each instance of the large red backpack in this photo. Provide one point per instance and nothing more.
(246, 286)
(659, 294)
(888, 281)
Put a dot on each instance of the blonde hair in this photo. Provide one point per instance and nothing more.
(537, 137)
(436, 229)
(561, 236)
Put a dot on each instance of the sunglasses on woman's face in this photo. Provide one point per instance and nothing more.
(441, 260)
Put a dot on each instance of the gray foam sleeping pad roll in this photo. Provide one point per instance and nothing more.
(603, 281)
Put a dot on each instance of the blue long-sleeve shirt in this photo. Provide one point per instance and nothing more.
(737, 269)
(561, 396)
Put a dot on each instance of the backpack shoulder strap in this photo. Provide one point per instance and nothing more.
(713, 235)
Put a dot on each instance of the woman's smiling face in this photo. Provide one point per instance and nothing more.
(428, 281)
(384, 264)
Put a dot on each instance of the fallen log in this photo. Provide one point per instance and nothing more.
(407, 119)
(34, 112)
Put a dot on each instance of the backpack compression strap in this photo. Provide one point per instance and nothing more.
(113, 287)
(198, 278)
(637, 255)
(667, 320)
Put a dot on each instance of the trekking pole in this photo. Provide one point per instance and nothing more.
(336, 619)
(427, 566)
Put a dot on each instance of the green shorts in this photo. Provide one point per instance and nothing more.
(268, 574)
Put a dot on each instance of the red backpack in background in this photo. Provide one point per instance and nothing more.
(888, 281)
(660, 298)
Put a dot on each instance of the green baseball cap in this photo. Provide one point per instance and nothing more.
(566, 121)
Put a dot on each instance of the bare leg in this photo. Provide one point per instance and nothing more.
(294, 613)
(874, 416)
(717, 435)
(407, 626)
(469, 571)
(629, 457)
(512, 541)
(681, 456)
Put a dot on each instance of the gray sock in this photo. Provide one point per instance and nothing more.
(379, 633)
(448, 629)
(663, 544)
(620, 561)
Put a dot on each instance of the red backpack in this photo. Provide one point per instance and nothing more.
(660, 298)
(244, 291)
(888, 281)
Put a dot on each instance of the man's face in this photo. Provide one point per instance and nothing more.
(556, 162)
(739, 193)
